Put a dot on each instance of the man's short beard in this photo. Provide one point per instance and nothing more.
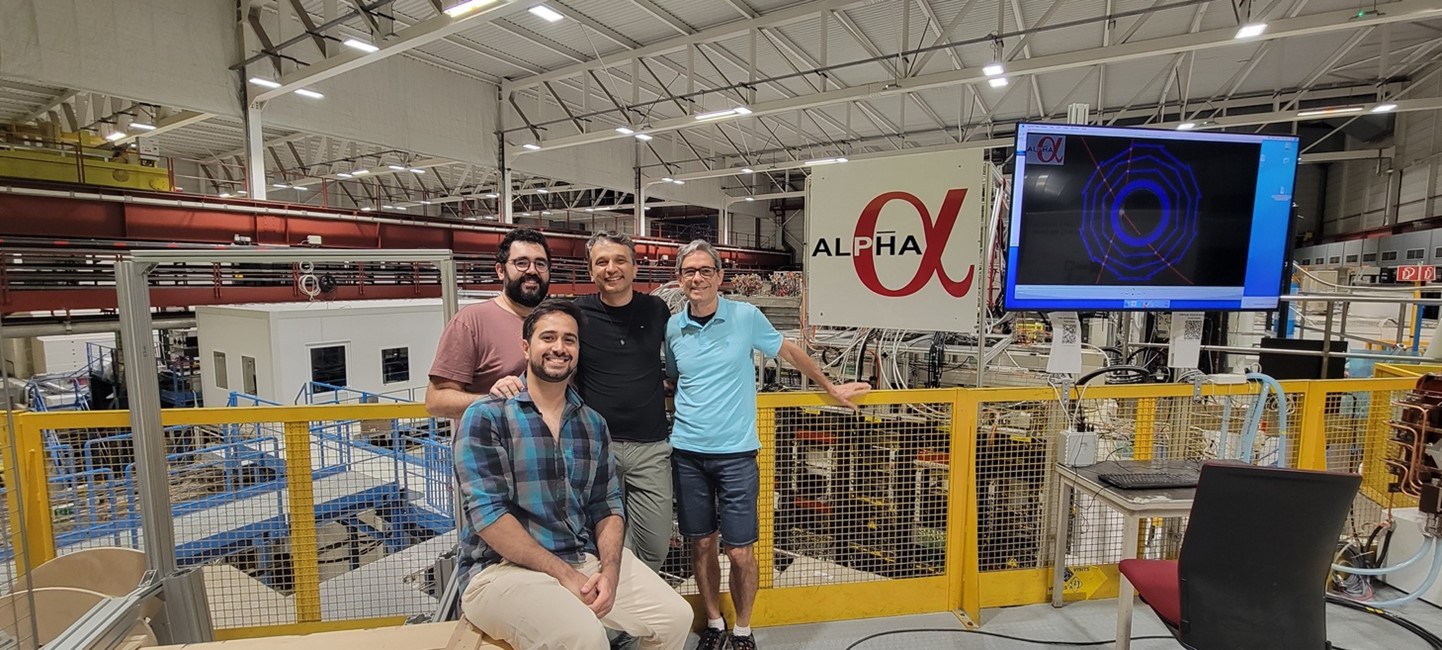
(538, 369)
(517, 294)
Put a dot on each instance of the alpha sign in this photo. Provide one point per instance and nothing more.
(896, 242)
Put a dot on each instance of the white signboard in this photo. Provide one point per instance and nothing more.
(896, 242)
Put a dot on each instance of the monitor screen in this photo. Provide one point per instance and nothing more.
(1106, 218)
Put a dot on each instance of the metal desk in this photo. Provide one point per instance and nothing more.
(1134, 505)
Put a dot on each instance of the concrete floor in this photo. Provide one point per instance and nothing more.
(1079, 622)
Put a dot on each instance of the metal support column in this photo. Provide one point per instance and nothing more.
(723, 224)
(507, 194)
(640, 204)
(254, 151)
(152, 477)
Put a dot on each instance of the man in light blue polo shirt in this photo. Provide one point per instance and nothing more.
(709, 351)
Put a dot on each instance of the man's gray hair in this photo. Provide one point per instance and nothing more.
(697, 245)
(613, 236)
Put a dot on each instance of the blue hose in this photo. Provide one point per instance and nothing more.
(1421, 553)
(1254, 418)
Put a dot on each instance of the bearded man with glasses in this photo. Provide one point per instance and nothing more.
(478, 347)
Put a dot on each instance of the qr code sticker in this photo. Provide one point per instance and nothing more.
(1069, 334)
(1192, 330)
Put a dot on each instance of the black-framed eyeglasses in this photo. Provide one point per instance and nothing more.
(706, 272)
(524, 264)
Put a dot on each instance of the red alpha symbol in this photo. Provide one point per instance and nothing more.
(935, 235)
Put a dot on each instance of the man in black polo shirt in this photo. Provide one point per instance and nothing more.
(621, 378)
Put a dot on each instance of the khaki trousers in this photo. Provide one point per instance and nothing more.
(532, 611)
(645, 470)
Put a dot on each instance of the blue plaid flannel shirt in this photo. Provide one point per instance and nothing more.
(558, 488)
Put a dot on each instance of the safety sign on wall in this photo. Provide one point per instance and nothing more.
(896, 242)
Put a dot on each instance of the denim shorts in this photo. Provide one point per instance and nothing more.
(717, 492)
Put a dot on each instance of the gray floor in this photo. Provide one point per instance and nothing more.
(1084, 621)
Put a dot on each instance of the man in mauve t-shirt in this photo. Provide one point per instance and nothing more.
(480, 345)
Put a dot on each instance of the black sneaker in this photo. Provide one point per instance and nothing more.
(713, 639)
(623, 641)
(747, 642)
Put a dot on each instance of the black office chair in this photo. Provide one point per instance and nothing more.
(1254, 562)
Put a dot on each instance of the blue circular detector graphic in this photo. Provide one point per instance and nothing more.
(1139, 213)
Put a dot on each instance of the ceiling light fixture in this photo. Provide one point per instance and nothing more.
(280, 186)
(467, 7)
(747, 170)
(363, 46)
(546, 13)
(115, 136)
(997, 82)
(388, 207)
(367, 209)
(545, 213)
(493, 195)
(1335, 110)
(225, 195)
(823, 161)
(993, 70)
(417, 170)
(360, 172)
(344, 175)
(425, 202)
(306, 92)
(1186, 126)
(624, 130)
(399, 168)
(750, 198)
(143, 126)
(1384, 108)
(532, 146)
(643, 137)
(542, 190)
(666, 179)
(679, 182)
(263, 82)
(716, 115)
(1252, 30)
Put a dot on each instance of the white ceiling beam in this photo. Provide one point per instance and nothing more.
(179, 120)
(788, 15)
(426, 31)
(1322, 23)
(50, 105)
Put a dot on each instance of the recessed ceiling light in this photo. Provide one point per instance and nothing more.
(262, 81)
(306, 92)
(546, 13)
(360, 45)
(1251, 31)
(467, 7)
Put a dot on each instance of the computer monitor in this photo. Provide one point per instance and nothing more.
(1106, 218)
(1296, 366)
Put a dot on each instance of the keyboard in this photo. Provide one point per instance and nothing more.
(1150, 480)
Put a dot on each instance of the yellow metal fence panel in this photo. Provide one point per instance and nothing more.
(310, 517)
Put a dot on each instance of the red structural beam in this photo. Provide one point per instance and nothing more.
(104, 298)
(64, 218)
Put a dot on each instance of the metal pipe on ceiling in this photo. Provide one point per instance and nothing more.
(28, 330)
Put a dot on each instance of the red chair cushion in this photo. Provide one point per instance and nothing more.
(1157, 583)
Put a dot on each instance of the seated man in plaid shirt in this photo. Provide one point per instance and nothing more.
(541, 538)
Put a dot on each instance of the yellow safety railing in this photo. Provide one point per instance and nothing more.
(925, 501)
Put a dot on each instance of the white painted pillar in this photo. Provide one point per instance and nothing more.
(254, 151)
